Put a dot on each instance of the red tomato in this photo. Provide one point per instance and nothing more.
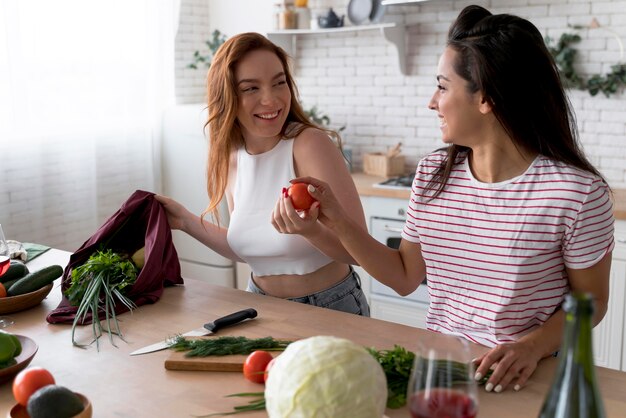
(267, 370)
(254, 367)
(300, 197)
(28, 381)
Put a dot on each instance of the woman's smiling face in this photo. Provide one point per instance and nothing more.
(460, 117)
(264, 98)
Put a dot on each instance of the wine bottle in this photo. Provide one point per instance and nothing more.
(574, 392)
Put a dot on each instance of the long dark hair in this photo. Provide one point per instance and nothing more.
(505, 57)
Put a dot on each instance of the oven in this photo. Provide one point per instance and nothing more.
(386, 219)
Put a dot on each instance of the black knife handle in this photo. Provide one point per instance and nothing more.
(231, 319)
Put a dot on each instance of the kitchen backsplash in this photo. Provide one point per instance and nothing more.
(355, 79)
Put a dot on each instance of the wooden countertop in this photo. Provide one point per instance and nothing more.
(365, 187)
(123, 386)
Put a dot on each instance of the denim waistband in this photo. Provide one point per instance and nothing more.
(351, 280)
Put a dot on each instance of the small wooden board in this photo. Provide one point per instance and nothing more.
(178, 361)
(232, 363)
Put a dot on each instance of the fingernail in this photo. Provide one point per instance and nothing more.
(311, 188)
(516, 388)
(498, 389)
(478, 376)
(488, 387)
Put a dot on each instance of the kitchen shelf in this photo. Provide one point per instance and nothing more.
(400, 2)
(392, 32)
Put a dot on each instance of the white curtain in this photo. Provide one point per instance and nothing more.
(82, 87)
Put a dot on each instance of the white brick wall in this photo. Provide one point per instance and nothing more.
(193, 31)
(354, 77)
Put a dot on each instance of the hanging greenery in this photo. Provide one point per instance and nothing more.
(565, 54)
(217, 39)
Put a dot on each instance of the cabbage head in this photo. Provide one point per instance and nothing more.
(325, 377)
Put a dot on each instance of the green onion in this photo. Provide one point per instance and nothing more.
(95, 287)
(254, 405)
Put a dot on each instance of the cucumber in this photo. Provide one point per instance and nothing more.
(16, 270)
(35, 280)
(10, 283)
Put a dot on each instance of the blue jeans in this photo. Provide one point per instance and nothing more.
(345, 296)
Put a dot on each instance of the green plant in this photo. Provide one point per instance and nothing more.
(565, 55)
(320, 119)
(217, 39)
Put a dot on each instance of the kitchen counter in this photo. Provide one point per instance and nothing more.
(364, 184)
(123, 386)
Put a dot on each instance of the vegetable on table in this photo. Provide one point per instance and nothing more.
(29, 381)
(396, 363)
(35, 280)
(326, 376)
(255, 365)
(10, 347)
(96, 286)
(224, 346)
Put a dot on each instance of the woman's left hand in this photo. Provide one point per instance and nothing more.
(287, 220)
(512, 363)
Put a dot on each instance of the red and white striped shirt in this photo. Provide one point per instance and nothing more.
(496, 253)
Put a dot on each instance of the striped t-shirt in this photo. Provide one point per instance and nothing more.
(496, 253)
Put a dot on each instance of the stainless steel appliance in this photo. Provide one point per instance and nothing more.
(387, 231)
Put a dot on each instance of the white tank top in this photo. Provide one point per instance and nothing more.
(258, 185)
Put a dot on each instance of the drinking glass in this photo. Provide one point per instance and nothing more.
(5, 259)
(442, 380)
(5, 262)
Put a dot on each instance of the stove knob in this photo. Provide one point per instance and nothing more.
(401, 212)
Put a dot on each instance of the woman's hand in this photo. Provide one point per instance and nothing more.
(327, 209)
(287, 220)
(176, 213)
(511, 363)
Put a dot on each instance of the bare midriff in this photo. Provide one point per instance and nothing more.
(296, 285)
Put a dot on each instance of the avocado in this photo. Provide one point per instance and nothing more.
(54, 401)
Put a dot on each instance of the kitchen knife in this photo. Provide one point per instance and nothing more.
(208, 329)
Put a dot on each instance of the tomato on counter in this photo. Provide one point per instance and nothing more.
(28, 381)
(255, 365)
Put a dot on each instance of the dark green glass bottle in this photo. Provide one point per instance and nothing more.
(574, 392)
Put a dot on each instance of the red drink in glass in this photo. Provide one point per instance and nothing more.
(442, 403)
(5, 262)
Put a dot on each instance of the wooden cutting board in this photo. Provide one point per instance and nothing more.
(233, 363)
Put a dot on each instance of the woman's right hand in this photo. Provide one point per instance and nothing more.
(176, 213)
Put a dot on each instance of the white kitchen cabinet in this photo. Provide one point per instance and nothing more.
(385, 219)
(609, 337)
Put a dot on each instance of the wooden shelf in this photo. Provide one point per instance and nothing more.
(392, 32)
(400, 2)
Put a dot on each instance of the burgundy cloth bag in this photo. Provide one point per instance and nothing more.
(140, 222)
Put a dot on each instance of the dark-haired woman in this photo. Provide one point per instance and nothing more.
(509, 217)
(260, 139)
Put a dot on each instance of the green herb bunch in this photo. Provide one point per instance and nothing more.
(95, 287)
(396, 364)
(223, 346)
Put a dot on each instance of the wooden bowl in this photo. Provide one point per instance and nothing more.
(18, 303)
(29, 349)
(19, 411)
